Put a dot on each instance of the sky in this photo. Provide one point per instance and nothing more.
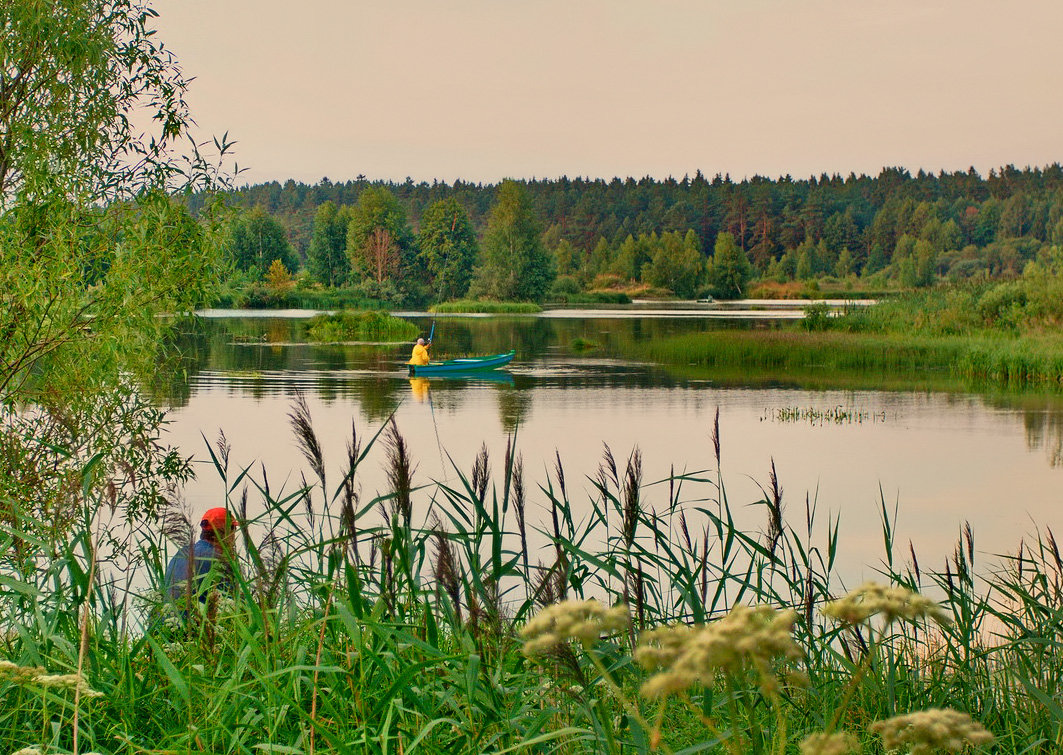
(481, 90)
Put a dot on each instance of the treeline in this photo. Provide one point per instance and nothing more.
(407, 241)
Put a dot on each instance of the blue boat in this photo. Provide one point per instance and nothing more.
(458, 366)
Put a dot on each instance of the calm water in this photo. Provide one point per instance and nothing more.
(940, 458)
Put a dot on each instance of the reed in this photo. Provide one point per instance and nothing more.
(371, 327)
(486, 306)
(705, 638)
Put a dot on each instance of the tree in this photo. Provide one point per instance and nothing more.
(257, 239)
(448, 248)
(83, 277)
(73, 73)
(676, 264)
(380, 244)
(729, 270)
(327, 257)
(515, 263)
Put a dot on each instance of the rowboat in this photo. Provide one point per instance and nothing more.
(458, 366)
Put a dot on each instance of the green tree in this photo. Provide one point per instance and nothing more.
(380, 244)
(327, 257)
(83, 277)
(448, 248)
(73, 75)
(729, 270)
(515, 264)
(676, 264)
(256, 240)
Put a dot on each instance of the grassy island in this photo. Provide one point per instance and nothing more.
(360, 326)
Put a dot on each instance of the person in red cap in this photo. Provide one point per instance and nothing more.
(188, 570)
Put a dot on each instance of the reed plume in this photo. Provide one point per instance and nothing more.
(306, 439)
(400, 470)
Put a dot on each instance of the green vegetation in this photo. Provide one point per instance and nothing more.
(379, 327)
(857, 234)
(451, 632)
(486, 306)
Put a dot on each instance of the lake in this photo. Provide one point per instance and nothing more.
(940, 458)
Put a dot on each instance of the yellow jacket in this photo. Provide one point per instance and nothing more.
(419, 356)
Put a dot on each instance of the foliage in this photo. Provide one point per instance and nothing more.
(448, 248)
(78, 77)
(257, 240)
(380, 244)
(360, 326)
(347, 628)
(729, 270)
(327, 256)
(515, 265)
(485, 307)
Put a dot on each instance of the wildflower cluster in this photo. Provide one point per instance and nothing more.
(830, 744)
(891, 603)
(36, 676)
(932, 731)
(745, 638)
(583, 620)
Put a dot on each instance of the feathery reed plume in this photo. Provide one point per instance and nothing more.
(445, 568)
(609, 465)
(703, 565)
(481, 474)
(716, 436)
(265, 482)
(271, 570)
(968, 536)
(306, 439)
(400, 473)
(559, 473)
(685, 530)
(958, 558)
(915, 561)
(224, 448)
(175, 519)
(775, 508)
(550, 584)
(349, 503)
(1022, 543)
(307, 501)
(1055, 549)
(632, 488)
(520, 504)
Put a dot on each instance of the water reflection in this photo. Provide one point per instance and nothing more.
(944, 456)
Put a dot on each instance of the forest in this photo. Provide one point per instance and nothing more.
(555, 238)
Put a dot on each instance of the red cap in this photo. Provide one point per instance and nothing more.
(218, 519)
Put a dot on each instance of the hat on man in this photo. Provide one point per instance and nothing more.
(218, 519)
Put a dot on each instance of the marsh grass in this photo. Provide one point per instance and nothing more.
(360, 326)
(840, 358)
(391, 624)
(485, 306)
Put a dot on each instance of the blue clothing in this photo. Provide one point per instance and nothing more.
(181, 570)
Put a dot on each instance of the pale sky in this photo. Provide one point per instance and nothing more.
(486, 89)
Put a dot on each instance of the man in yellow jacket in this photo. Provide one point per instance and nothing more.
(419, 358)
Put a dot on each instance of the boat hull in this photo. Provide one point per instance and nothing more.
(461, 366)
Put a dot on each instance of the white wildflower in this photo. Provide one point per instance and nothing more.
(891, 603)
(830, 744)
(744, 638)
(932, 731)
(583, 620)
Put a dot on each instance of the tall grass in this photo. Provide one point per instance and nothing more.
(360, 326)
(391, 624)
(486, 306)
